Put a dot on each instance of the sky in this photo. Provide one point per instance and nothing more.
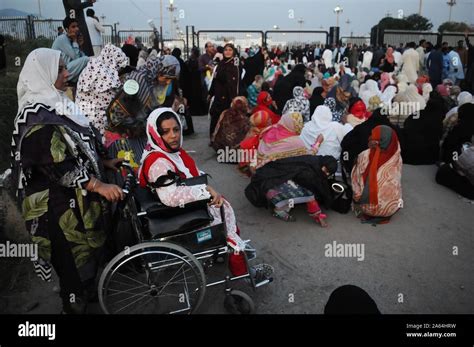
(258, 14)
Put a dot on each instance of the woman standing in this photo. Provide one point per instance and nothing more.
(58, 161)
(388, 64)
(225, 85)
(98, 84)
(377, 177)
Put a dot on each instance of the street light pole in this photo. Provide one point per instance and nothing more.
(39, 7)
(451, 3)
(337, 11)
(171, 8)
(300, 22)
(420, 8)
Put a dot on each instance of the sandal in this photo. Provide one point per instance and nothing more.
(320, 218)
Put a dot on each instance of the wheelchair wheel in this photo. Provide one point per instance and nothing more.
(152, 278)
(237, 302)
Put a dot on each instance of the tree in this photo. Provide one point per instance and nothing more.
(459, 27)
(418, 22)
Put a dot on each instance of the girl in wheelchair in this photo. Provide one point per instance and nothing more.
(163, 156)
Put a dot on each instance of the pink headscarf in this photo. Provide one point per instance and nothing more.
(442, 89)
(282, 140)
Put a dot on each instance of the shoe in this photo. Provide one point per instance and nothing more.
(261, 272)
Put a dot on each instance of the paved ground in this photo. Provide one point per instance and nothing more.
(411, 258)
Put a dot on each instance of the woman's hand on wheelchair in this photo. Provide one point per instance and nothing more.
(217, 199)
(111, 192)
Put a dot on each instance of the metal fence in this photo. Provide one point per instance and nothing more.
(240, 38)
(47, 28)
(16, 27)
(109, 36)
(145, 36)
(453, 38)
(24, 28)
(290, 38)
(356, 40)
(175, 43)
(396, 37)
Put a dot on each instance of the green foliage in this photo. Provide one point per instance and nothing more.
(419, 23)
(412, 22)
(459, 27)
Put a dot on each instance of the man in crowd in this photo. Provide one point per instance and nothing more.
(206, 66)
(75, 10)
(68, 44)
(95, 30)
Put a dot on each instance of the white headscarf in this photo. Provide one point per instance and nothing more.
(368, 90)
(463, 98)
(427, 88)
(320, 124)
(154, 139)
(36, 85)
(333, 132)
(388, 95)
(411, 95)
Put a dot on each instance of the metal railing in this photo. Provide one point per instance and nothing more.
(47, 28)
(452, 38)
(240, 38)
(286, 38)
(16, 27)
(356, 40)
(146, 36)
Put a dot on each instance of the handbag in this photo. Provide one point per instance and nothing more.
(342, 194)
(171, 220)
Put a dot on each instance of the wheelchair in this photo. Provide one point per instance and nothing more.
(166, 269)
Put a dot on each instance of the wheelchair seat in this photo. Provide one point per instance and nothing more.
(164, 221)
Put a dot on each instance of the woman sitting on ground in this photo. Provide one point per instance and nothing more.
(264, 103)
(376, 177)
(232, 126)
(459, 175)
(358, 112)
(282, 141)
(258, 122)
(422, 132)
(461, 133)
(332, 133)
